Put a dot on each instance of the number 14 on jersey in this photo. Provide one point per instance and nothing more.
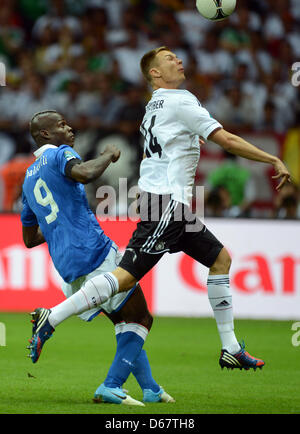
(151, 144)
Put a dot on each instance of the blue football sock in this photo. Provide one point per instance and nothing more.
(143, 374)
(130, 343)
(141, 369)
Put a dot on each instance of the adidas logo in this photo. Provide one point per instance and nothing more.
(223, 303)
(231, 360)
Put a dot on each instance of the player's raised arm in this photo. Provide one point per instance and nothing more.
(90, 170)
(238, 146)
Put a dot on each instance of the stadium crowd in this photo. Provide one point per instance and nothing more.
(82, 59)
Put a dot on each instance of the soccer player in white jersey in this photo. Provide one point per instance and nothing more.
(173, 122)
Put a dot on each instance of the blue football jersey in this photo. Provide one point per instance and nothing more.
(76, 242)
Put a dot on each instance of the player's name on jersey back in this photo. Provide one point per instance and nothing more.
(158, 104)
(42, 162)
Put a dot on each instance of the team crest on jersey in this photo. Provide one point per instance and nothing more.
(160, 246)
(69, 155)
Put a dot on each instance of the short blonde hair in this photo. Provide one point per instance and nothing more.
(148, 60)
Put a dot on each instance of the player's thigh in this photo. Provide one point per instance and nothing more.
(134, 310)
(136, 263)
(202, 246)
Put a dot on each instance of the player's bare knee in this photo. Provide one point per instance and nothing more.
(222, 264)
(125, 279)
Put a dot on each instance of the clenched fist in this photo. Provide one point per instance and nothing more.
(112, 149)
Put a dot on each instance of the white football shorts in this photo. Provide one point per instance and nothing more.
(114, 303)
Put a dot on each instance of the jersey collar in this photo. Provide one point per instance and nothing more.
(42, 149)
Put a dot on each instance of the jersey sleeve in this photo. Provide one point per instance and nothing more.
(64, 155)
(28, 217)
(196, 118)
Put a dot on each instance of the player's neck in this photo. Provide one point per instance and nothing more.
(41, 143)
(165, 86)
(162, 84)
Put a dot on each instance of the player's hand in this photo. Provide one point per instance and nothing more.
(281, 172)
(112, 149)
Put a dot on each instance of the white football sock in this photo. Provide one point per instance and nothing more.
(220, 298)
(94, 292)
(119, 327)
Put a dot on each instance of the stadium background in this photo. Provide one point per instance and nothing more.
(82, 58)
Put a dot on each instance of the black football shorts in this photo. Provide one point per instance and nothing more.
(167, 226)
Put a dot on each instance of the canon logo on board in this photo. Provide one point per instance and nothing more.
(252, 273)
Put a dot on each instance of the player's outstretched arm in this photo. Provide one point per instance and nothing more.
(32, 236)
(238, 146)
(90, 170)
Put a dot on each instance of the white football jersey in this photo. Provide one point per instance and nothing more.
(172, 124)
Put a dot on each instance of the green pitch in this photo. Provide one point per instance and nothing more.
(184, 356)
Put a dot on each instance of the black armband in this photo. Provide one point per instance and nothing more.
(69, 165)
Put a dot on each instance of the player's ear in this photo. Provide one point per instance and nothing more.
(155, 73)
(45, 134)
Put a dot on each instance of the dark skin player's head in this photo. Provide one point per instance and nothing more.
(51, 127)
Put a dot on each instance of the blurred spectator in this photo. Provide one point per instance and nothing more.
(56, 52)
(211, 58)
(109, 105)
(44, 41)
(287, 203)
(130, 116)
(236, 36)
(273, 26)
(291, 30)
(193, 27)
(118, 35)
(236, 180)
(283, 98)
(218, 203)
(11, 180)
(8, 102)
(7, 148)
(31, 99)
(255, 57)
(267, 121)
(162, 20)
(295, 8)
(100, 57)
(56, 18)
(115, 10)
(128, 58)
(236, 110)
(78, 103)
(11, 33)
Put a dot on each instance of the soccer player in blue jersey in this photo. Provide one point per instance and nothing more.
(56, 211)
